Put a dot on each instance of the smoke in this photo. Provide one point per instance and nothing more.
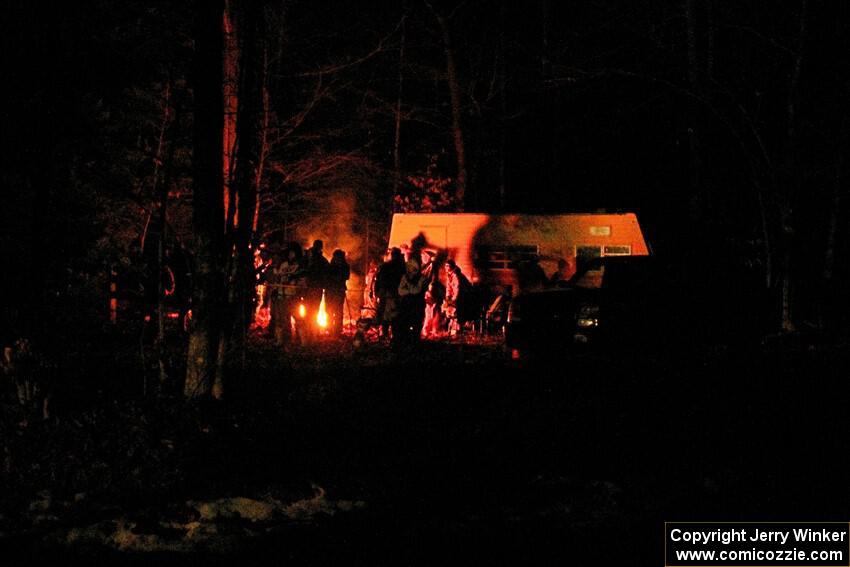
(338, 223)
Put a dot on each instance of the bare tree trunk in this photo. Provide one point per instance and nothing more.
(397, 140)
(709, 42)
(167, 171)
(226, 322)
(157, 189)
(695, 201)
(208, 213)
(503, 106)
(263, 138)
(791, 178)
(764, 222)
(244, 186)
(828, 294)
(827, 298)
(545, 63)
(454, 94)
(249, 128)
(221, 356)
(832, 225)
(230, 91)
(549, 110)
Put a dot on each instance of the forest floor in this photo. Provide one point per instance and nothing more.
(447, 452)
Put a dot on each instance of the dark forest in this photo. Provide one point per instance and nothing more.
(198, 139)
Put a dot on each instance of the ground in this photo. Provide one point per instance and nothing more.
(450, 451)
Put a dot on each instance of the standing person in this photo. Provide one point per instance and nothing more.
(286, 279)
(370, 300)
(338, 273)
(386, 289)
(562, 274)
(317, 279)
(263, 266)
(317, 266)
(411, 309)
(531, 276)
(432, 326)
(458, 306)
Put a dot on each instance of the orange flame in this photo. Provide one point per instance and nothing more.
(302, 310)
(322, 317)
(263, 317)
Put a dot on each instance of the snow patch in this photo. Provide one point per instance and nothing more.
(221, 525)
(233, 508)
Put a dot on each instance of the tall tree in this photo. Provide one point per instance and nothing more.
(695, 200)
(454, 95)
(170, 123)
(397, 137)
(793, 173)
(230, 91)
(503, 104)
(208, 210)
(247, 172)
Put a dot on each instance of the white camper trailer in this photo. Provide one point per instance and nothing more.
(490, 249)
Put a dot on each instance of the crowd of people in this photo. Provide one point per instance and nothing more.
(404, 296)
(410, 301)
(301, 278)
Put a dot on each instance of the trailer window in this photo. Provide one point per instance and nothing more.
(505, 257)
(592, 277)
(585, 253)
(624, 250)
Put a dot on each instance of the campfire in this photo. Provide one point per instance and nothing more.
(322, 315)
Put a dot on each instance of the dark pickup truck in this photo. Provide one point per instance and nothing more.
(613, 302)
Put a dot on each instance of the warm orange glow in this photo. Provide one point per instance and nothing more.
(462, 236)
(172, 282)
(230, 68)
(322, 317)
(262, 313)
(113, 301)
(302, 310)
(263, 317)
